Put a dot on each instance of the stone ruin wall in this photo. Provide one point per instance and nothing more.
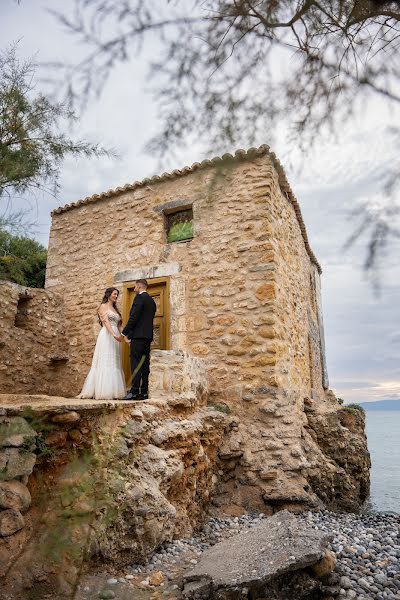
(230, 285)
(33, 344)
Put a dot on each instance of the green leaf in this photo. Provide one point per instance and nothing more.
(180, 231)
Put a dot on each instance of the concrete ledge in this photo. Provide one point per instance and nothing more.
(11, 404)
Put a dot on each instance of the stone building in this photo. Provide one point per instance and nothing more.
(225, 250)
(239, 287)
(240, 416)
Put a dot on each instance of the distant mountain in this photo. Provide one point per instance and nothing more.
(381, 405)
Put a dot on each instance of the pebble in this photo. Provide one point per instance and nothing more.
(367, 549)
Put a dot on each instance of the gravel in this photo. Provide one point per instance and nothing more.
(367, 549)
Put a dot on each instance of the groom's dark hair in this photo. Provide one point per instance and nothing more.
(143, 282)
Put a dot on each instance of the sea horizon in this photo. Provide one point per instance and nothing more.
(383, 429)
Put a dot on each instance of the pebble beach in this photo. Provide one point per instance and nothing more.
(367, 549)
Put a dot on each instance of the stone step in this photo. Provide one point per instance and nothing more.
(16, 403)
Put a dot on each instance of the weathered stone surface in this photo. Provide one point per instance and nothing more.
(56, 439)
(14, 494)
(156, 578)
(253, 560)
(67, 417)
(11, 521)
(31, 327)
(336, 445)
(254, 317)
(16, 463)
(15, 431)
(324, 566)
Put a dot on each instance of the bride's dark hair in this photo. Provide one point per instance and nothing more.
(106, 297)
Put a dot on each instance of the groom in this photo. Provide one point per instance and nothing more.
(138, 332)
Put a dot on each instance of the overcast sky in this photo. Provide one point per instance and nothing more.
(362, 330)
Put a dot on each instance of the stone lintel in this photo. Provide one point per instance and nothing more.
(151, 272)
(172, 206)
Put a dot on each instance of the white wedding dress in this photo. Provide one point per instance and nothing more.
(105, 379)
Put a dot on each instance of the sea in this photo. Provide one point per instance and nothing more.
(383, 433)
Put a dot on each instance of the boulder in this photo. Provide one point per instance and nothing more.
(14, 494)
(68, 417)
(11, 521)
(271, 560)
(324, 566)
(16, 464)
(15, 431)
(56, 439)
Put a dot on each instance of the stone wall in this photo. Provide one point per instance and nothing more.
(227, 285)
(179, 377)
(33, 345)
(244, 296)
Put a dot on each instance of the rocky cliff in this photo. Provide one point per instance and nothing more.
(112, 482)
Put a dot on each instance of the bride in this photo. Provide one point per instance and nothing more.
(105, 379)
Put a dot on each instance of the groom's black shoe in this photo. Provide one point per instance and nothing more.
(131, 396)
(143, 396)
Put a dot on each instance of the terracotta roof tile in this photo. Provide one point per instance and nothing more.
(239, 156)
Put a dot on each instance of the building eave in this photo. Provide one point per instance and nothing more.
(239, 156)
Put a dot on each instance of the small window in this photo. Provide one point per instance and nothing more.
(22, 311)
(179, 225)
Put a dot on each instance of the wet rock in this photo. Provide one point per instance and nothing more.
(255, 561)
(14, 494)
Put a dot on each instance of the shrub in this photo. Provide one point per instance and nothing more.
(224, 408)
(22, 260)
(354, 407)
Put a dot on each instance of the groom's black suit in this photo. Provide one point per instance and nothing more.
(139, 329)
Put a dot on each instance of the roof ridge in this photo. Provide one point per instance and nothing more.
(239, 155)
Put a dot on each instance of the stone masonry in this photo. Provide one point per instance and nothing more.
(33, 346)
(242, 291)
(245, 321)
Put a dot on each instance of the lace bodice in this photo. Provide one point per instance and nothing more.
(113, 317)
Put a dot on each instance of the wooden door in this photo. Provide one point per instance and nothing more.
(159, 290)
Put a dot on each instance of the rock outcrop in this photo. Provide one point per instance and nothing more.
(276, 457)
(101, 482)
(335, 444)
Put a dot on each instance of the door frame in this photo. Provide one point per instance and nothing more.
(128, 285)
